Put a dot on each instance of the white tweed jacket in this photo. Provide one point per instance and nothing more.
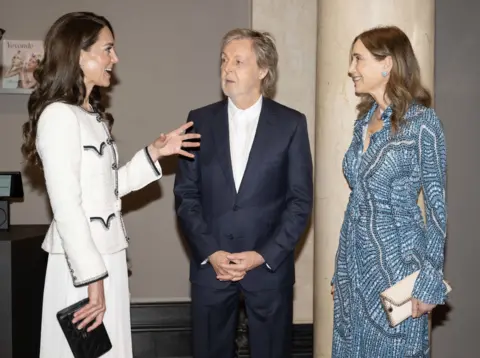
(84, 185)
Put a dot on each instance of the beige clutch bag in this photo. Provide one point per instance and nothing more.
(397, 300)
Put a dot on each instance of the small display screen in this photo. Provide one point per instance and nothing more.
(11, 186)
(5, 185)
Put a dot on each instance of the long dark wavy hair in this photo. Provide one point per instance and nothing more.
(404, 86)
(59, 76)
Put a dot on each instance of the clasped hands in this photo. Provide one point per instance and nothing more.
(234, 266)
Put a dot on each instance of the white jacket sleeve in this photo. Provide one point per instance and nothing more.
(138, 172)
(59, 147)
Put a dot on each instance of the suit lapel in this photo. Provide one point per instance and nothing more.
(222, 143)
(263, 136)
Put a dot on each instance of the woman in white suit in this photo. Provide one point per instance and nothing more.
(69, 136)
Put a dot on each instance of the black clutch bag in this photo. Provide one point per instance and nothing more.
(82, 343)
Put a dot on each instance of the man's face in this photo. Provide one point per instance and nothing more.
(241, 76)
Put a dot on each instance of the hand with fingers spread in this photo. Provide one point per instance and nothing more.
(239, 264)
(173, 142)
(94, 310)
(419, 308)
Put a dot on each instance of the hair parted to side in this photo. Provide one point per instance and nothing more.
(266, 53)
(404, 85)
(59, 76)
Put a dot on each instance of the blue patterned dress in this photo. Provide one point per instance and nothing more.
(383, 237)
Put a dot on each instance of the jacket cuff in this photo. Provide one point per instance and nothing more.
(86, 272)
(89, 281)
(157, 170)
(204, 255)
(273, 254)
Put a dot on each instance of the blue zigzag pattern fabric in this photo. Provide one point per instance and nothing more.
(384, 238)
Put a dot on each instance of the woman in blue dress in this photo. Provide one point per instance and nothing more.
(398, 149)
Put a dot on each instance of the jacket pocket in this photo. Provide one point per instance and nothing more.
(104, 221)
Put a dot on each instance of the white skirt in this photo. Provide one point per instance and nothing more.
(59, 293)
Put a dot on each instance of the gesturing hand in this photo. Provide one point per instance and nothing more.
(94, 310)
(173, 142)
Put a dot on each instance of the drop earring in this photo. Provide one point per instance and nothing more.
(384, 73)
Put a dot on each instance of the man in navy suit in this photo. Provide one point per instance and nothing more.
(243, 203)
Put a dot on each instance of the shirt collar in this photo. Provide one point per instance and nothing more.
(386, 115)
(252, 111)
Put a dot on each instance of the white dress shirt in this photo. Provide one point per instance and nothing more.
(242, 126)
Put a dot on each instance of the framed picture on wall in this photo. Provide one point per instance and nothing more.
(19, 59)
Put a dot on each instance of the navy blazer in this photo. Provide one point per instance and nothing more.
(273, 204)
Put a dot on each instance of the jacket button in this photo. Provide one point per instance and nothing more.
(115, 192)
(230, 237)
(114, 166)
(109, 141)
(235, 207)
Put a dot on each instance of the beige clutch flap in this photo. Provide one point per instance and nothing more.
(397, 300)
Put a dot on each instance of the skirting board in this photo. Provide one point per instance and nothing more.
(163, 330)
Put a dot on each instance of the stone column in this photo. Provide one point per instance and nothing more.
(339, 21)
(293, 23)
